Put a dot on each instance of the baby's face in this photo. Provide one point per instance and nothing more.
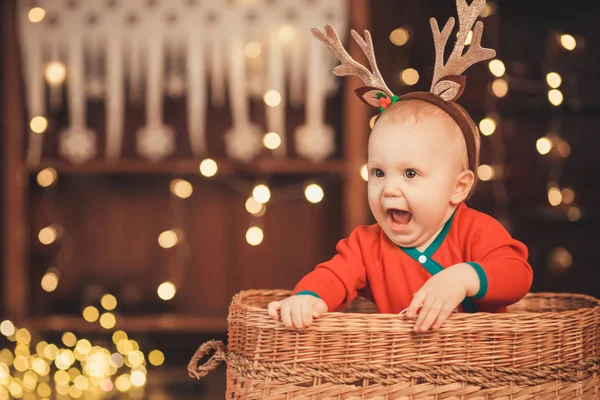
(413, 167)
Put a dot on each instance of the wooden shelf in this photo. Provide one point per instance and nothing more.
(133, 324)
(226, 166)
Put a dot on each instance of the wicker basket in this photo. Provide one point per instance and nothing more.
(546, 347)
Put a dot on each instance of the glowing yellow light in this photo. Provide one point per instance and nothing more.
(500, 87)
(286, 33)
(30, 380)
(81, 382)
(44, 390)
(554, 196)
(91, 314)
(22, 350)
(49, 281)
(252, 49)
(272, 140)
(253, 206)
(109, 302)
(564, 149)
(48, 235)
(399, 36)
(485, 172)
(47, 177)
(135, 357)
(568, 42)
(314, 193)
(556, 97)
(118, 336)
(64, 359)
(497, 68)
(108, 320)
(106, 385)
(372, 121)
(488, 10)
(55, 73)
(83, 346)
(543, 145)
(38, 124)
(561, 258)
(272, 98)
(409, 76)
(134, 345)
(208, 167)
(73, 373)
(568, 196)
(364, 172)
(23, 336)
(69, 339)
(36, 14)
(40, 367)
(97, 365)
(168, 239)
(181, 188)
(7, 328)
(124, 346)
(50, 351)
(554, 80)
(15, 390)
(123, 383)
(117, 359)
(75, 392)
(166, 291)
(261, 193)
(468, 39)
(156, 358)
(138, 379)
(21, 364)
(487, 126)
(254, 236)
(574, 214)
(61, 377)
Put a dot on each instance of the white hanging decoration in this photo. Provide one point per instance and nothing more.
(132, 52)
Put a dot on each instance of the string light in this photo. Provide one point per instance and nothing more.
(254, 236)
(314, 193)
(7, 328)
(543, 145)
(47, 177)
(272, 140)
(168, 239)
(55, 73)
(499, 87)
(166, 291)
(485, 172)
(50, 280)
(555, 96)
(181, 188)
(208, 167)
(468, 39)
(563, 148)
(156, 358)
(38, 124)
(252, 49)
(488, 10)
(272, 98)
(91, 314)
(554, 80)
(261, 193)
(409, 76)
(254, 207)
(69, 339)
(497, 68)
(561, 259)
(568, 196)
(568, 42)
(36, 14)
(573, 214)
(108, 320)
(399, 36)
(286, 33)
(364, 172)
(487, 126)
(109, 302)
(554, 196)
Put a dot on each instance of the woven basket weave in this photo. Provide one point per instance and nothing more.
(546, 347)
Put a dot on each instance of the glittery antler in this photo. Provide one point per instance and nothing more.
(375, 85)
(447, 80)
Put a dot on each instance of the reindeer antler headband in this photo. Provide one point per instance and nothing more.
(448, 84)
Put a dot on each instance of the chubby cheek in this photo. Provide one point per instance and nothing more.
(373, 194)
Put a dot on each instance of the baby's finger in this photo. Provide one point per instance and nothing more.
(424, 311)
(273, 309)
(417, 301)
(444, 314)
(297, 316)
(286, 315)
(307, 317)
(432, 314)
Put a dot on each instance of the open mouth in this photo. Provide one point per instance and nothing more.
(399, 217)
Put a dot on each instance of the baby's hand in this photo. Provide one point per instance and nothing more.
(297, 311)
(441, 294)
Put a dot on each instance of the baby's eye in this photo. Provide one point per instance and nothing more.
(378, 173)
(410, 173)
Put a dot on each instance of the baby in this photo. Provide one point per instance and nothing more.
(429, 253)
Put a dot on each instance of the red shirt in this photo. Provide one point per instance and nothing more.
(369, 263)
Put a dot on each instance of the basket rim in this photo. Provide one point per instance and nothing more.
(238, 301)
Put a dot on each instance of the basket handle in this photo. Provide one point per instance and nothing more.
(198, 371)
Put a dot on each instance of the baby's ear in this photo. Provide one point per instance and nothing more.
(462, 186)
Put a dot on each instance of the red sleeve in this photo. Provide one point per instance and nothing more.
(338, 280)
(501, 263)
